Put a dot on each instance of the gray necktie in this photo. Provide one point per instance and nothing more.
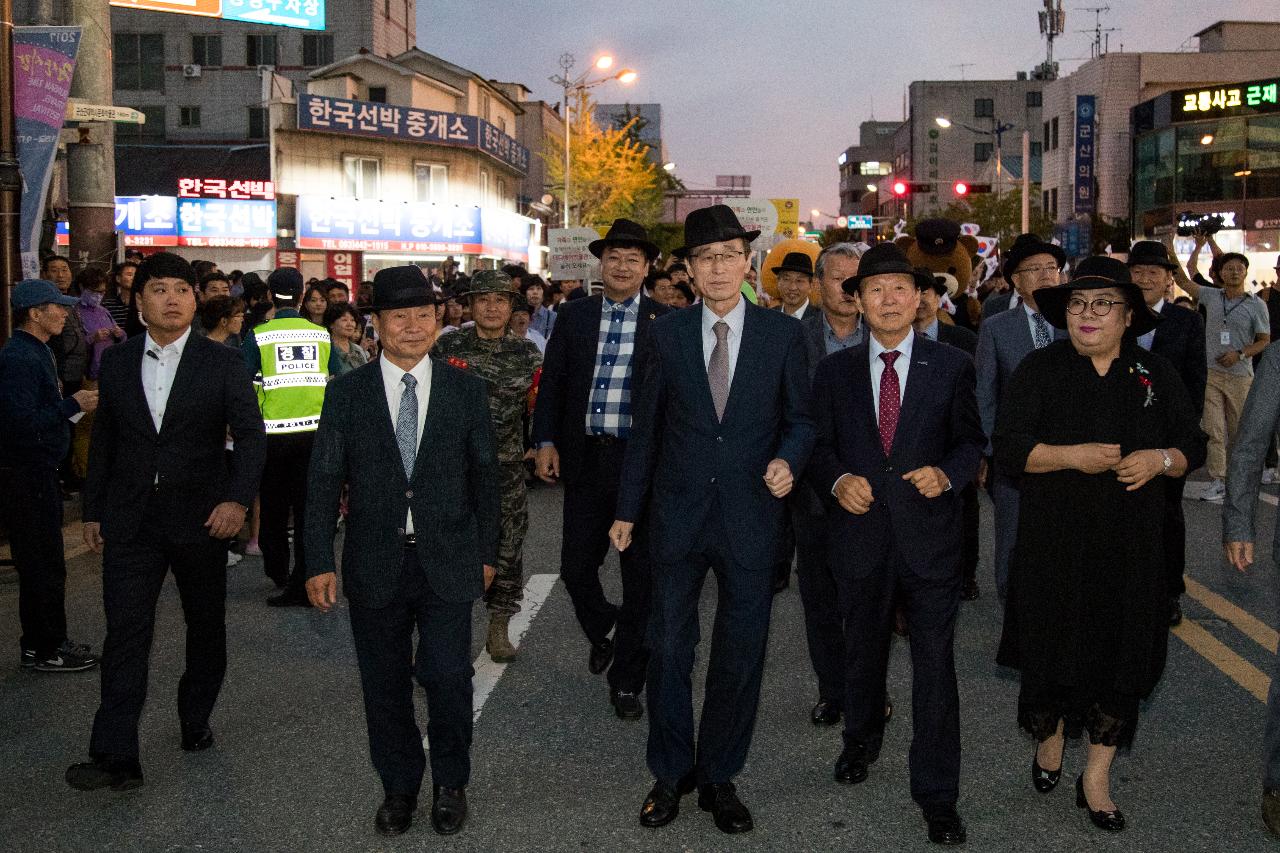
(1043, 338)
(407, 423)
(718, 368)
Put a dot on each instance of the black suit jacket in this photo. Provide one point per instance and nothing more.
(453, 491)
(938, 425)
(568, 367)
(692, 460)
(1180, 338)
(186, 462)
(958, 337)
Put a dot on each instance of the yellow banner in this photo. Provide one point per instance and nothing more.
(788, 216)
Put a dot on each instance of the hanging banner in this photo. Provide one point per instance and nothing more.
(44, 60)
(788, 216)
(568, 258)
(1084, 183)
(344, 267)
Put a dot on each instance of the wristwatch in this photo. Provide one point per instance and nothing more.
(1168, 461)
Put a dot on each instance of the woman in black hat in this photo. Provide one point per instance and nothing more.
(1087, 425)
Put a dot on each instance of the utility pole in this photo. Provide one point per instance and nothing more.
(10, 177)
(91, 162)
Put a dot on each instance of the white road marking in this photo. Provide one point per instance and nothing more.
(489, 671)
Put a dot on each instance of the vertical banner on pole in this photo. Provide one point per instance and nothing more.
(44, 59)
(346, 268)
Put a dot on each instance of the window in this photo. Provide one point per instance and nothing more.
(484, 105)
(317, 49)
(258, 123)
(1046, 136)
(188, 116)
(484, 187)
(378, 94)
(1035, 99)
(1036, 149)
(139, 61)
(260, 50)
(1053, 202)
(206, 50)
(1044, 201)
(502, 124)
(982, 151)
(1053, 134)
(502, 192)
(151, 132)
(431, 182)
(363, 176)
(984, 108)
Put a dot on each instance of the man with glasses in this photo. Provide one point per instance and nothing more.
(1004, 339)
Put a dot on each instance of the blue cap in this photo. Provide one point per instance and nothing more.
(36, 291)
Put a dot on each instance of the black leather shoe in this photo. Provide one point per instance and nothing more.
(1110, 821)
(288, 599)
(663, 803)
(118, 774)
(1175, 611)
(851, 766)
(626, 705)
(1043, 780)
(601, 655)
(945, 827)
(395, 815)
(969, 590)
(825, 713)
(196, 738)
(721, 799)
(448, 809)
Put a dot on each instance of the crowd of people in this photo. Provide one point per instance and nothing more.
(695, 424)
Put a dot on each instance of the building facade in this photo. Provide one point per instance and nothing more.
(864, 164)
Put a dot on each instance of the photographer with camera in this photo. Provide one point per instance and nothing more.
(1237, 327)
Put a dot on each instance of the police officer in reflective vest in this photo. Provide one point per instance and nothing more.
(291, 361)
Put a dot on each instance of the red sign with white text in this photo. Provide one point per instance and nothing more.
(288, 258)
(222, 188)
(345, 267)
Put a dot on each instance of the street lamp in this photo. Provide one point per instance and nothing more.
(581, 84)
(997, 130)
(668, 167)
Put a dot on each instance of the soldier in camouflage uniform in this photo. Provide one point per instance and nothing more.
(511, 367)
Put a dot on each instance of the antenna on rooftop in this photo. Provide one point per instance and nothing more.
(1101, 34)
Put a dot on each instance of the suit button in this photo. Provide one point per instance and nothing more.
(720, 439)
(888, 469)
(409, 494)
(713, 480)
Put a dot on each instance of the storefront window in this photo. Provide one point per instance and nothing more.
(1153, 171)
(1209, 156)
(1264, 157)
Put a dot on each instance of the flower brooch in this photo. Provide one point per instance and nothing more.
(1144, 379)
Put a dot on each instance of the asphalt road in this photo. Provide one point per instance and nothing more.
(555, 770)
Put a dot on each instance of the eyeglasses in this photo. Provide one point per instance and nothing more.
(1045, 270)
(708, 259)
(1099, 307)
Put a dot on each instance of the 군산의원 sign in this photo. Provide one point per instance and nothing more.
(299, 14)
(1234, 99)
(410, 124)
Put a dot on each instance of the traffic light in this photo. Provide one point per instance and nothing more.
(979, 188)
(964, 188)
(902, 188)
(961, 188)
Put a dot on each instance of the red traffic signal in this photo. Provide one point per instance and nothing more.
(961, 188)
(900, 187)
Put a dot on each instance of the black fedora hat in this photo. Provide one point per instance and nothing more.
(714, 224)
(1096, 273)
(883, 259)
(795, 262)
(401, 287)
(1151, 253)
(625, 233)
(1025, 246)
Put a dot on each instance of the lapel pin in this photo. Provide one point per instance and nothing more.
(653, 316)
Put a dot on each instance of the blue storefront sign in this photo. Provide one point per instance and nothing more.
(300, 14)
(158, 220)
(1085, 136)
(396, 227)
(409, 124)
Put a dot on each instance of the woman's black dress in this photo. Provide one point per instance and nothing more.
(1086, 621)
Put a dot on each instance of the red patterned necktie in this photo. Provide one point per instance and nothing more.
(890, 400)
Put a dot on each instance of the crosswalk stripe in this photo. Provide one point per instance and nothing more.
(1248, 624)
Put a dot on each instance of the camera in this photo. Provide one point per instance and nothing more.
(1191, 223)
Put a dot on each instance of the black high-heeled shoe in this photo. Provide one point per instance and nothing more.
(1110, 821)
(1043, 780)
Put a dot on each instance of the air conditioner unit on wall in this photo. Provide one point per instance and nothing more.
(191, 71)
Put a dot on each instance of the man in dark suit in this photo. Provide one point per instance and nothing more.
(722, 427)
(1179, 337)
(581, 426)
(413, 443)
(1004, 339)
(162, 494)
(929, 325)
(898, 437)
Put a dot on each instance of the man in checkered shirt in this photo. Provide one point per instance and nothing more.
(580, 427)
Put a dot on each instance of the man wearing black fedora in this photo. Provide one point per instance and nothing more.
(795, 281)
(412, 442)
(721, 430)
(1179, 338)
(581, 426)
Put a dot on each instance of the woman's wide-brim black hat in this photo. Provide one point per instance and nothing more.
(1098, 273)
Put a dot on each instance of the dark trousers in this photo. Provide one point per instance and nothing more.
(590, 500)
(442, 665)
(284, 492)
(823, 622)
(1175, 536)
(972, 521)
(133, 574)
(734, 668)
(930, 606)
(32, 505)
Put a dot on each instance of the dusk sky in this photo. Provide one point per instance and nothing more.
(776, 90)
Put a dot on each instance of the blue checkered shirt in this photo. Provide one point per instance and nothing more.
(609, 408)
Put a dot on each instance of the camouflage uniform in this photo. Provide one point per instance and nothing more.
(509, 366)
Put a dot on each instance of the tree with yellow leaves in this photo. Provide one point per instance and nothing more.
(611, 173)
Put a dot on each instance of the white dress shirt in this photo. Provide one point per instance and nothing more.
(734, 318)
(393, 385)
(159, 367)
(901, 366)
(799, 312)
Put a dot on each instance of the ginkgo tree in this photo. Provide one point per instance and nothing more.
(611, 174)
